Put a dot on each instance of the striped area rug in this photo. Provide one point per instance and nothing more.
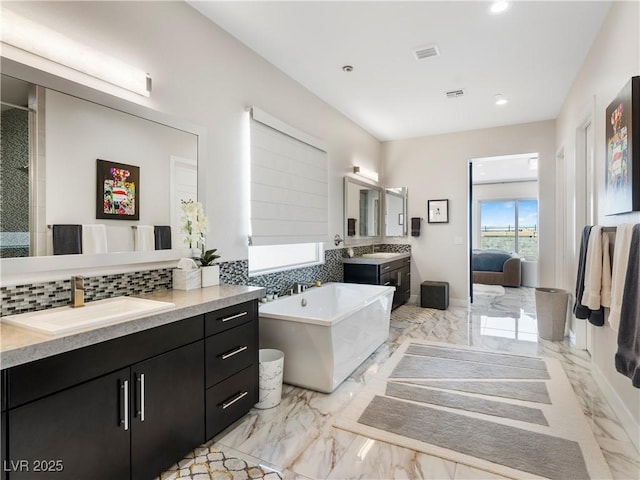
(513, 415)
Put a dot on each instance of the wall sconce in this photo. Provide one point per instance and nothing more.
(363, 172)
(39, 41)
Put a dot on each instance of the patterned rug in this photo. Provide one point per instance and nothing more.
(208, 463)
(513, 415)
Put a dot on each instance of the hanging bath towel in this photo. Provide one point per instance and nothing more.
(67, 239)
(162, 235)
(628, 356)
(619, 272)
(579, 310)
(144, 239)
(94, 239)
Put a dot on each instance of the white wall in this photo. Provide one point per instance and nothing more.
(203, 75)
(436, 167)
(80, 132)
(613, 59)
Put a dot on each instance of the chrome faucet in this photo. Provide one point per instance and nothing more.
(77, 291)
(300, 287)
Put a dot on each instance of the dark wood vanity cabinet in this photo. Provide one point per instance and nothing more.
(396, 273)
(133, 406)
(231, 365)
(166, 408)
(76, 433)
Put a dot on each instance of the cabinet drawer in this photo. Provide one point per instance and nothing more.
(396, 264)
(230, 351)
(226, 318)
(231, 399)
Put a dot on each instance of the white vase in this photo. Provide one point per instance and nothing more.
(210, 275)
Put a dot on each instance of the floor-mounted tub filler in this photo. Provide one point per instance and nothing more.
(326, 332)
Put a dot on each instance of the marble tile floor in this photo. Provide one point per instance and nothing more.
(296, 440)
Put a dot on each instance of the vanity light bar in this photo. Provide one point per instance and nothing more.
(363, 172)
(40, 41)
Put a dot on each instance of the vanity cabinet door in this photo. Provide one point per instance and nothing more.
(167, 409)
(81, 432)
(3, 445)
(406, 280)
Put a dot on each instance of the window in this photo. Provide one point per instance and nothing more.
(289, 196)
(271, 258)
(289, 184)
(510, 225)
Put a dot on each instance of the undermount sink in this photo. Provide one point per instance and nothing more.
(68, 319)
(381, 255)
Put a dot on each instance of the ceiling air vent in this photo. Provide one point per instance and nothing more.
(426, 52)
(455, 93)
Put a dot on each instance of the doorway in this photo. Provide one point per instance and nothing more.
(503, 217)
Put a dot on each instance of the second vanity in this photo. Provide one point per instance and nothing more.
(383, 268)
(128, 399)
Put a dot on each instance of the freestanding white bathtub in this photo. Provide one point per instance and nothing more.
(326, 332)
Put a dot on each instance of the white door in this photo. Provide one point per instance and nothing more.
(184, 186)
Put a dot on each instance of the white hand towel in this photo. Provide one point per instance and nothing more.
(144, 238)
(619, 272)
(605, 282)
(593, 270)
(94, 239)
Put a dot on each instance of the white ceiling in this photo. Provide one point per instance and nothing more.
(506, 168)
(531, 54)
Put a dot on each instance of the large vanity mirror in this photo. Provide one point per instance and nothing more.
(51, 142)
(395, 212)
(362, 207)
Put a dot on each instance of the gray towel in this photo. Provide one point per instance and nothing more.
(67, 239)
(162, 234)
(579, 310)
(628, 355)
(596, 317)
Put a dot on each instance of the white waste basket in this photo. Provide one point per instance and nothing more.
(270, 373)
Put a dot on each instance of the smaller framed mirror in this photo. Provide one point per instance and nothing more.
(395, 214)
(362, 211)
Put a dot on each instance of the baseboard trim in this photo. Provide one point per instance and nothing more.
(631, 427)
(459, 302)
(454, 302)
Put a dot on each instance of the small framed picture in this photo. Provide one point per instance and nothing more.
(438, 211)
(117, 191)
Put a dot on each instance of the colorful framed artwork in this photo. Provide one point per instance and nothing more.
(622, 175)
(438, 211)
(118, 191)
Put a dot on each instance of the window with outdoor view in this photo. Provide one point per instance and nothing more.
(510, 225)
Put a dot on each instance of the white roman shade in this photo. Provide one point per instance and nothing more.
(289, 184)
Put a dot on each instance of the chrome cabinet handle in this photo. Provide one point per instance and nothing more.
(233, 317)
(238, 350)
(387, 267)
(142, 392)
(388, 283)
(125, 402)
(238, 397)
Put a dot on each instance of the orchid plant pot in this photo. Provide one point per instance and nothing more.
(210, 275)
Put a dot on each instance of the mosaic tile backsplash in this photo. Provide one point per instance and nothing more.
(38, 296)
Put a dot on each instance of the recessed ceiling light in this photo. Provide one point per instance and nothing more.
(347, 68)
(499, 7)
(500, 100)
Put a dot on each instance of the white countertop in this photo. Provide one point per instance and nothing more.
(376, 261)
(19, 345)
